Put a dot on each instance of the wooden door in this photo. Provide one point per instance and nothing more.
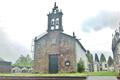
(53, 63)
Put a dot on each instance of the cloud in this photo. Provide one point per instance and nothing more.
(102, 20)
(10, 50)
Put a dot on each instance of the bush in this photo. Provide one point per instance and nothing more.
(80, 66)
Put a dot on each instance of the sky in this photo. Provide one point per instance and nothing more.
(93, 21)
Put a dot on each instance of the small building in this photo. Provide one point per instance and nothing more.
(16, 69)
(19, 69)
(90, 67)
(94, 67)
(5, 67)
(103, 66)
(111, 68)
(98, 66)
(55, 51)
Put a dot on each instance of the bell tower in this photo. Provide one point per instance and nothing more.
(55, 20)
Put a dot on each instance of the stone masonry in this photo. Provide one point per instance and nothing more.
(116, 49)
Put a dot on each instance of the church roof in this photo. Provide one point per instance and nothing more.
(40, 36)
(81, 45)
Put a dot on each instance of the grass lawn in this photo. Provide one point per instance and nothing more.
(103, 73)
(63, 74)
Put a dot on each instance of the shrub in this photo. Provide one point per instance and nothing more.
(80, 66)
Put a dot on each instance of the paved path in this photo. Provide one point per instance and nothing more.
(101, 78)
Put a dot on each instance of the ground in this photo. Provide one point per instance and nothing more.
(64, 74)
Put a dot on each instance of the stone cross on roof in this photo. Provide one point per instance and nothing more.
(55, 6)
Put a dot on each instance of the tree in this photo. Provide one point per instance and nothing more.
(80, 66)
(102, 58)
(110, 61)
(89, 56)
(23, 61)
(96, 57)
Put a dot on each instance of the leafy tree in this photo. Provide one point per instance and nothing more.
(24, 61)
(80, 66)
(89, 56)
(102, 58)
(110, 61)
(96, 57)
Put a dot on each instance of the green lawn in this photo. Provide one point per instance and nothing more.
(64, 74)
(106, 73)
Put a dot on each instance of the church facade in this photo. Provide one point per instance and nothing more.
(116, 49)
(55, 51)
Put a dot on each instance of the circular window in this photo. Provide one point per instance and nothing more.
(67, 63)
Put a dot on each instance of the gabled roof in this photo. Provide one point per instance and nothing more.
(67, 35)
(40, 36)
(81, 45)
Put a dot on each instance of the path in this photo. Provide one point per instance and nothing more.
(101, 78)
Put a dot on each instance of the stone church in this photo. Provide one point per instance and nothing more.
(55, 51)
(116, 49)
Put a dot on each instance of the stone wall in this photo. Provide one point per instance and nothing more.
(117, 57)
(57, 43)
(81, 54)
(116, 49)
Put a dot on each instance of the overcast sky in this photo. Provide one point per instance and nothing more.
(93, 21)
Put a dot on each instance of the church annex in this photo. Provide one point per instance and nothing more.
(55, 51)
